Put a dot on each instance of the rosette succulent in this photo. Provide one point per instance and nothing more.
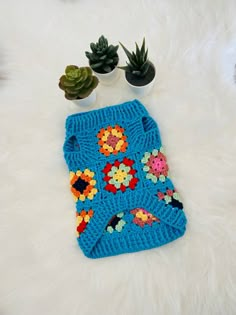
(104, 57)
(77, 83)
(138, 63)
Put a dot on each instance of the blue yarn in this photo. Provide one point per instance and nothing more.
(99, 236)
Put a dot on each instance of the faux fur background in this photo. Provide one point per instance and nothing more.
(193, 45)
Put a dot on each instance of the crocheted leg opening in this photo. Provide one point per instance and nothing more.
(152, 224)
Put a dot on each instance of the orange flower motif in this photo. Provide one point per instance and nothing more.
(112, 140)
(82, 219)
(83, 185)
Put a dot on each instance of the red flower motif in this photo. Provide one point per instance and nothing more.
(120, 175)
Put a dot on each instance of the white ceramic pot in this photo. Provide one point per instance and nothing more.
(108, 78)
(142, 90)
(87, 101)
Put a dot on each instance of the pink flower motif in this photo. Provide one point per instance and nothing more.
(142, 217)
(158, 165)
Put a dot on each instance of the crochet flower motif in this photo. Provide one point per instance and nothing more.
(116, 223)
(171, 197)
(83, 185)
(120, 175)
(142, 217)
(112, 140)
(82, 219)
(155, 165)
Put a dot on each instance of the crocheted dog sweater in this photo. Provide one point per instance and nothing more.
(119, 178)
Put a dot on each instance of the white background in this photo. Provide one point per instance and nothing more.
(193, 45)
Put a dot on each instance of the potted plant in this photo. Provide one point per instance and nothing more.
(79, 85)
(103, 59)
(139, 72)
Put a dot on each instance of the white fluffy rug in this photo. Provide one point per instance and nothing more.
(193, 45)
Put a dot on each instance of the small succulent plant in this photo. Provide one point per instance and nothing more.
(77, 83)
(138, 63)
(104, 57)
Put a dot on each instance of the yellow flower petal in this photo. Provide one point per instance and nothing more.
(104, 139)
(119, 144)
(114, 132)
(106, 134)
(75, 198)
(94, 191)
(90, 196)
(79, 219)
(144, 217)
(82, 197)
(88, 172)
(106, 146)
(87, 218)
(141, 216)
(78, 173)
(72, 174)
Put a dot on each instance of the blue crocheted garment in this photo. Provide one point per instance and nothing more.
(119, 178)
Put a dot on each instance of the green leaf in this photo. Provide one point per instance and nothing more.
(79, 86)
(88, 54)
(64, 82)
(105, 42)
(95, 82)
(101, 40)
(143, 47)
(145, 68)
(96, 65)
(89, 70)
(70, 67)
(61, 86)
(71, 92)
(92, 57)
(116, 48)
(134, 56)
(128, 53)
(134, 63)
(109, 61)
(84, 93)
(146, 54)
(84, 74)
(107, 69)
(115, 60)
(112, 50)
(138, 55)
(126, 68)
(70, 97)
(103, 57)
(88, 82)
(93, 47)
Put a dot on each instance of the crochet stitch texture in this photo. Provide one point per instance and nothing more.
(119, 179)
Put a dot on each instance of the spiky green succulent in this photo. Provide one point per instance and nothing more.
(138, 63)
(104, 57)
(77, 82)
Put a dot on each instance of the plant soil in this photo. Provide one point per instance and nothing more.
(141, 81)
